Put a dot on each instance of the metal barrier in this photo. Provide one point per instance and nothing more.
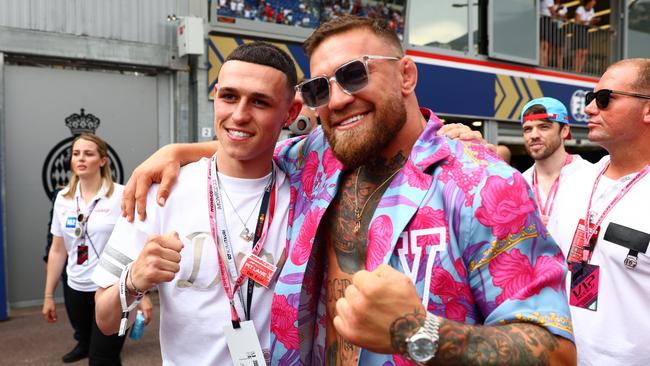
(573, 47)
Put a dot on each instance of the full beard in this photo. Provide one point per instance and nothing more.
(365, 144)
(548, 150)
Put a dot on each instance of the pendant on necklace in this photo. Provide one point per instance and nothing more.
(246, 234)
(357, 216)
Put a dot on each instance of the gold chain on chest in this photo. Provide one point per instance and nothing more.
(358, 212)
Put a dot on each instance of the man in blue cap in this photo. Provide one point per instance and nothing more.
(545, 124)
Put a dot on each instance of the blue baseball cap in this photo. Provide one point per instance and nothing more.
(555, 111)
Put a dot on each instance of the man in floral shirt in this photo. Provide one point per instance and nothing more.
(396, 231)
(404, 246)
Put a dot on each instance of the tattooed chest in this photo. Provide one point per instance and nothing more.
(339, 350)
(346, 249)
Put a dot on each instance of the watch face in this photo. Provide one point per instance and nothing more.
(421, 349)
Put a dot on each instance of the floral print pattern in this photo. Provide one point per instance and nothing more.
(448, 209)
(505, 207)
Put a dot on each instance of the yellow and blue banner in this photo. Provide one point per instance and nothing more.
(482, 89)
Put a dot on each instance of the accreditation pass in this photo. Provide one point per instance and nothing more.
(244, 345)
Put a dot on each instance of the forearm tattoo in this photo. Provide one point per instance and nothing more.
(403, 328)
(462, 344)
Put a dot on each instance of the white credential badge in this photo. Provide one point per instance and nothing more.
(244, 345)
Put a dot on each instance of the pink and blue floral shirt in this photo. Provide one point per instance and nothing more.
(461, 223)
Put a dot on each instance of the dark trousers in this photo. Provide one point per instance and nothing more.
(66, 295)
(103, 350)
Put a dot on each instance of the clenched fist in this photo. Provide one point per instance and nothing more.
(372, 304)
(158, 262)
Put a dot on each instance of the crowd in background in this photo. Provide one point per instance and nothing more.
(307, 13)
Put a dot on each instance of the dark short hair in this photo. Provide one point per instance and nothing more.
(348, 22)
(540, 109)
(267, 54)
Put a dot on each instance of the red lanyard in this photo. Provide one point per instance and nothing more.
(215, 204)
(547, 208)
(588, 232)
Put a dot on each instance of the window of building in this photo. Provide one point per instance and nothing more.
(441, 23)
(638, 38)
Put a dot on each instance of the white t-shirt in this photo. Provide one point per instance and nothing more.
(585, 15)
(99, 227)
(544, 6)
(576, 167)
(618, 333)
(193, 306)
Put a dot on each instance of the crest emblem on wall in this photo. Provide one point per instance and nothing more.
(56, 168)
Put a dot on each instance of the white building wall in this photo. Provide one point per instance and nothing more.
(127, 20)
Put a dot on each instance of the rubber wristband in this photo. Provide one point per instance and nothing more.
(122, 290)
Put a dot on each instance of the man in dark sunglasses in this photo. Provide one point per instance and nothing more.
(602, 97)
(602, 223)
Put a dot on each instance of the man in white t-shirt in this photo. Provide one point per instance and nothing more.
(610, 264)
(545, 124)
(235, 204)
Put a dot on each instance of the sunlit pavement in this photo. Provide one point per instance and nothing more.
(27, 339)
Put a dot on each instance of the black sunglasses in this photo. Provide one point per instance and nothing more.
(352, 76)
(602, 97)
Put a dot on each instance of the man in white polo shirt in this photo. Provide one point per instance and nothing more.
(223, 211)
(545, 125)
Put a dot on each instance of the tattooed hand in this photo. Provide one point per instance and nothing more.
(371, 305)
(381, 309)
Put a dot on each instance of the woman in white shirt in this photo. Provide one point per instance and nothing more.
(83, 218)
(585, 17)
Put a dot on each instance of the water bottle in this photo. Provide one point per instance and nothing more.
(138, 326)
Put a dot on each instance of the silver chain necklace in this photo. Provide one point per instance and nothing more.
(245, 234)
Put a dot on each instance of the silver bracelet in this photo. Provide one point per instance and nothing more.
(138, 293)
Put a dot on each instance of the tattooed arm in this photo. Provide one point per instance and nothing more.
(381, 309)
(511, 344)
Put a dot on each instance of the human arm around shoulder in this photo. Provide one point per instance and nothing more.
(56, 261)
(381, 310)
(459, 131)
(162, 167)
